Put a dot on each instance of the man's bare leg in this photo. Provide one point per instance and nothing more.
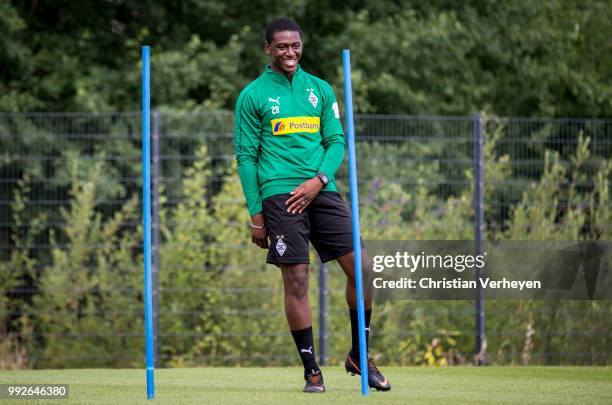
(347, 262)
(299, 317)
(297, 306)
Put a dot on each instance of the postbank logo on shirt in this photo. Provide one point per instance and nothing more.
(292, 125)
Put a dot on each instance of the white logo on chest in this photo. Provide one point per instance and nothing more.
(275, 108)
(312, 98)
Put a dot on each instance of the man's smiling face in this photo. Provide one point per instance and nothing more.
(285, 51)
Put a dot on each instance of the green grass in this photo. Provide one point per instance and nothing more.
(415, 385)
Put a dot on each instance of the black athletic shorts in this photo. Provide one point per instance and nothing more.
(326, 223)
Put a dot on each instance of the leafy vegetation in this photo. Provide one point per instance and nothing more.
(78, 302)
(441, 57)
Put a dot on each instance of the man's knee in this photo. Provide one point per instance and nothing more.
(298, 288)
(347, 262)
(296, 283)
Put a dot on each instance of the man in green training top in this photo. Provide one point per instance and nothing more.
(289, 145)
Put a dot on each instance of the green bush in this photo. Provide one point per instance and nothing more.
(89, 307)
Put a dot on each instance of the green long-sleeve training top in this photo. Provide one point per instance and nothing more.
(285, 133)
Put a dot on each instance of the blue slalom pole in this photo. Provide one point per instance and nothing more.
(146, 201)
(348, 94)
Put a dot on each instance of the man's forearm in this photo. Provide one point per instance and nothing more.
(250, 186)
(334, 155)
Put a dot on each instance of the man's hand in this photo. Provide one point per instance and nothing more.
(303, 195)
(259, 236)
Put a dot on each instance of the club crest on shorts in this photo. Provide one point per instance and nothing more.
(312, 98)
(280, 245)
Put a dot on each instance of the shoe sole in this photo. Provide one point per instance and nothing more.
(372, 386)
(315, 391)
(352, 373)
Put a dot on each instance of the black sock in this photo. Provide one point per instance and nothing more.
(355, 331)
(305, 345)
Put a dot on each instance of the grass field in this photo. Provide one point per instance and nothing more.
(411, 385)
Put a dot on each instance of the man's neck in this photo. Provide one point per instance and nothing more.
(289, 76)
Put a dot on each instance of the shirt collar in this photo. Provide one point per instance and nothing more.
(280, 77)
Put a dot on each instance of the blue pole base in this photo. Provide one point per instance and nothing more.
(150, 383)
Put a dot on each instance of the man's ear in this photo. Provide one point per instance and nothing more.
(267, 47)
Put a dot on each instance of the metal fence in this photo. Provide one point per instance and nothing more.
(71, 248)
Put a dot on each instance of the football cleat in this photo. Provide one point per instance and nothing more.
(314, 381)
(375, 378)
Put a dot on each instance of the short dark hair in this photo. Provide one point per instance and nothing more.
(281, 24)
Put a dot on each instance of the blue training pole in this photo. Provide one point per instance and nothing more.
(348, 94)
(146, 201)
